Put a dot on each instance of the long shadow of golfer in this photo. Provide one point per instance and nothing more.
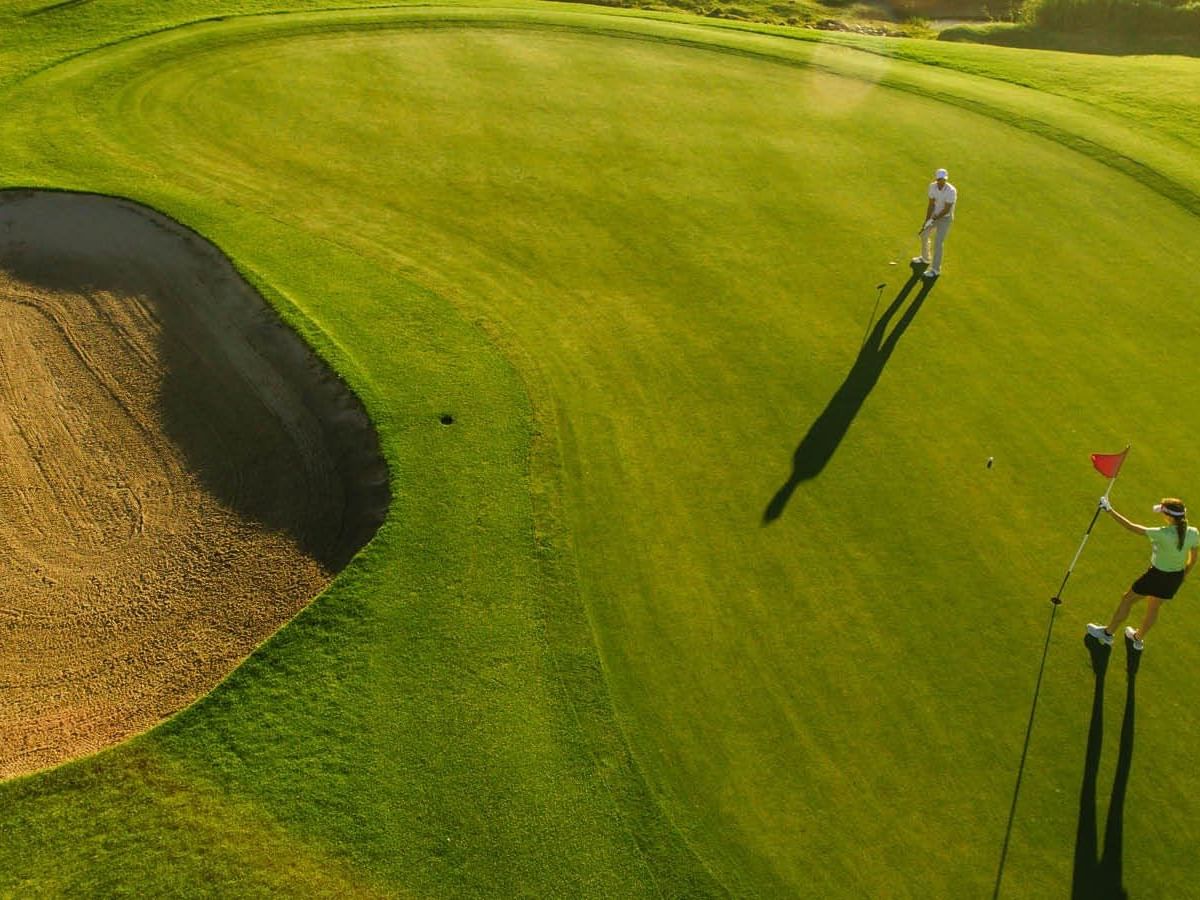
(826, 432)
(1098, 870)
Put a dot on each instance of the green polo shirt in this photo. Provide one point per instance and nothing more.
(1166, 555)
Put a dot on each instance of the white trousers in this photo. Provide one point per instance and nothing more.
(935, 234)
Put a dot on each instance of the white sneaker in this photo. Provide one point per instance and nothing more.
(920, 261)
(932, 273)
(1131, 635)
(1098, 632)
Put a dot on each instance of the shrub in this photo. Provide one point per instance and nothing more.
(1128, 17)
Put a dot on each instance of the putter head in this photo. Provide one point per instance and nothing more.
(881, 286)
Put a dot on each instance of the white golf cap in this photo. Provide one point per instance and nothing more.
(940, 173)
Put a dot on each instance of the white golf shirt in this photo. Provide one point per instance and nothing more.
(942, 198)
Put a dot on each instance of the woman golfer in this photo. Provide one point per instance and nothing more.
(1172, 555)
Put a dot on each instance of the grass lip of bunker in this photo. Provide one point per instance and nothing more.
(183, 473)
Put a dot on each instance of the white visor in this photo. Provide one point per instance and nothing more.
(1159, 508)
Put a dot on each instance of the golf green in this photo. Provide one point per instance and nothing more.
(688, 476)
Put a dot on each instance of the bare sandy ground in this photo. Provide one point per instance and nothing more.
(179, 475)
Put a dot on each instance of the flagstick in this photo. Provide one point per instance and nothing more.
(1057, 598)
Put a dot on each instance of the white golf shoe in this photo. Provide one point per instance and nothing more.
(1131, 636)
(1098, 632)
(932, 273)
(920, 261)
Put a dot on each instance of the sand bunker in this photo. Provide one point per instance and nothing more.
(178, 473)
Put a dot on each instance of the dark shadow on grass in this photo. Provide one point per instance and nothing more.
(817, 447)
(265, 426)
(1012, 809)
(55, 7)
(1098, 870)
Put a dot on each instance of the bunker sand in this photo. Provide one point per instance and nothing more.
(179, 474)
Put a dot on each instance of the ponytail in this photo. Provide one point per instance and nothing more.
(1175, 509)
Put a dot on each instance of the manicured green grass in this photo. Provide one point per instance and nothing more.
(576, 661)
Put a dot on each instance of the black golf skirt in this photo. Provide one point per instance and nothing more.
(1156, 583)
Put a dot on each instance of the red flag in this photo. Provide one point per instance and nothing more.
(1109, 464)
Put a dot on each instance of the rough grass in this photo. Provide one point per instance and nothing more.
(1099, 40)
(875, 17)
(1117, 27)
(621, 263)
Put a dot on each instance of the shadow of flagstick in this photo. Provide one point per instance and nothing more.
(827, 430)
(1012, 810)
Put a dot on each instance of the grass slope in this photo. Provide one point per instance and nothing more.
(636, 272)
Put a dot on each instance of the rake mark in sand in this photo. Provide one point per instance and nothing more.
(180, 474)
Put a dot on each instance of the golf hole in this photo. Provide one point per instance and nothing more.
(447, 419)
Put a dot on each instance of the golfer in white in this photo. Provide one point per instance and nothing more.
(939, 216)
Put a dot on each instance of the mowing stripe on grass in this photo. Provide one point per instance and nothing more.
(649, 236)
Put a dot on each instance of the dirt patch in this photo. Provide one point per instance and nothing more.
(179, 474)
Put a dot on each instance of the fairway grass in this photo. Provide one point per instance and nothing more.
(635, 258)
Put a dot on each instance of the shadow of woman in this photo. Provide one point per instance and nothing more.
(827, 430)
(1098, 870)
